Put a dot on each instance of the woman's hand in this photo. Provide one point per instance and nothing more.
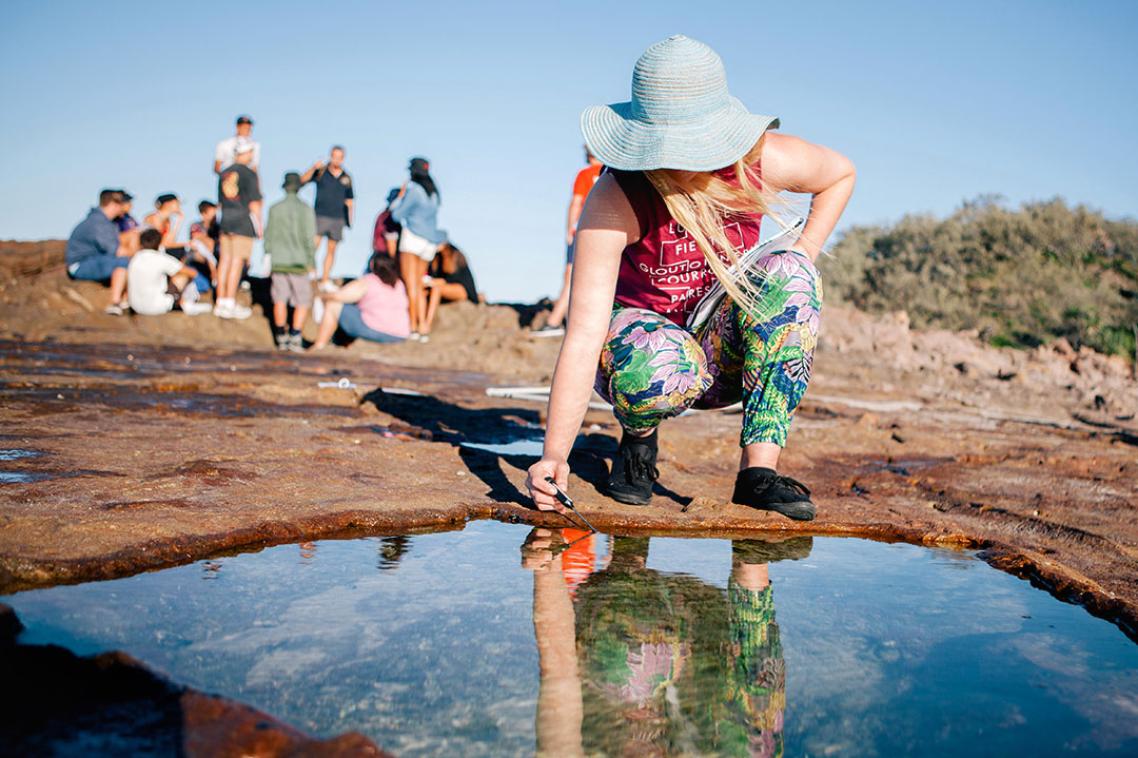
(543, 493)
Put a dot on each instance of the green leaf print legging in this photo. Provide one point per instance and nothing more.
(652, 369)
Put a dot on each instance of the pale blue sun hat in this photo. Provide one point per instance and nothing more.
(681, 115)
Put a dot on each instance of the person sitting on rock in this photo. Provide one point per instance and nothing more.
(450, 282)
(373, 307)
(167, 219)
(157, 281)
(94, 249)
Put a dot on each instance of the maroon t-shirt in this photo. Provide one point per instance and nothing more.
(664, 271)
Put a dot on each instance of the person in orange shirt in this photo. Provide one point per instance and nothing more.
(584, 182)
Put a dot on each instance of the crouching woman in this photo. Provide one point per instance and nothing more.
(691, 175)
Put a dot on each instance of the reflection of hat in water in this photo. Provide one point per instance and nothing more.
(292, 181)
(680, 116)
(764, 551)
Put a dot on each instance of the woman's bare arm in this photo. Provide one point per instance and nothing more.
(608, 225)
(352, 292)
(795, 165)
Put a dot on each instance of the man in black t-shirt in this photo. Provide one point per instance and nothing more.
(335, 206)
(239, 197)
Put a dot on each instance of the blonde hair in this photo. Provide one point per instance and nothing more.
(704, 203)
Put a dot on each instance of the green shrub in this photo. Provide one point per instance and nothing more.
(1025, 276)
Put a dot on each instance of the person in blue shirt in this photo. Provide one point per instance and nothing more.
(416, 209)
(93, 249)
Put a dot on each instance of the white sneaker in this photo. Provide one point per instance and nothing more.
(240, 312)
(328, 287)
(223, 310)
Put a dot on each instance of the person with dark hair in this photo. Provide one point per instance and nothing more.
(335, 207)
(204, 234)
(373, 307)
(416, 209)
(167, 219)
(94, 250)
(290, 241)
(450, 282)
(128, 225)
(157, 280)
(385, 234)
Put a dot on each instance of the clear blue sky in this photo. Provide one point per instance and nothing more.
(934, 102)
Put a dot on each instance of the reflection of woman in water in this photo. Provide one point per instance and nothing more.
(667, 663)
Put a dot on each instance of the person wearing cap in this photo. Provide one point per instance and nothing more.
(416, 210)
(239, 197)
(290, 240)
(335, 207)
(226, 150)
(94, 251)
(691, 175)
(582, 185)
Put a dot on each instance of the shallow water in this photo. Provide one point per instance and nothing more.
(430, 645)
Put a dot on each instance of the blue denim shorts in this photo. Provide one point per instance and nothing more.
(352, 324)
(97, 268)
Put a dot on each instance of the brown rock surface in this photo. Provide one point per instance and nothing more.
(164, 440)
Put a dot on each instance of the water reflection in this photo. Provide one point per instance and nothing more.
(391, 551)
(635, 661)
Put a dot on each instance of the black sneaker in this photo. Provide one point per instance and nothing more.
(764, 489)
(633, 470)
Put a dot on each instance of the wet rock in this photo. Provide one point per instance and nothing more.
(111, 704)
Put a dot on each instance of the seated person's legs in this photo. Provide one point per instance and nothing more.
(351, 321)
(98, 268)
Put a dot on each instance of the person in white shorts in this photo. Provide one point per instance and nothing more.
(416, 209)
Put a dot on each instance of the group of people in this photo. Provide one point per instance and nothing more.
(150, 271)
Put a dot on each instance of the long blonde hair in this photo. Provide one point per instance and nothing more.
(703, 203)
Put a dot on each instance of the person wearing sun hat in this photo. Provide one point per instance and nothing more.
(691, 174)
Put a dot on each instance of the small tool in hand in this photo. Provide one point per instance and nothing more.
(568, 503)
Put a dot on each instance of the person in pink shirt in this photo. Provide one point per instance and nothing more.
(373, 307)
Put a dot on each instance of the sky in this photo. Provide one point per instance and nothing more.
(934, 102)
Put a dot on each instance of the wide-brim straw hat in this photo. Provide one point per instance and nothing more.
(680, 116)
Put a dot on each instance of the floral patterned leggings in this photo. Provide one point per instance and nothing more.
(652, 369)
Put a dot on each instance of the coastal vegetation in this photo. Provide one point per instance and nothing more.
(1020, 276)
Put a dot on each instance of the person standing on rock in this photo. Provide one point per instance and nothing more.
(239, 197)
(226, 151)
(692, 174)
(335, 207)
(582, 185)
(290, 240)
(416, 210)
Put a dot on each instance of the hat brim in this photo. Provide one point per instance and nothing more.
(622, 142)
